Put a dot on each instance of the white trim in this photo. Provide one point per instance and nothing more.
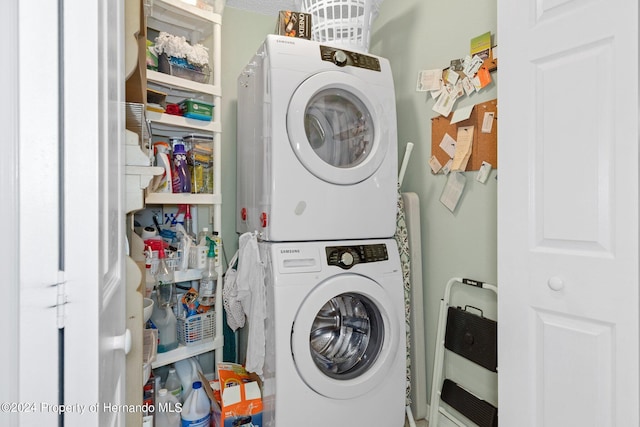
(9, 200)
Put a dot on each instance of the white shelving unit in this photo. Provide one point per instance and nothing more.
(197, 26)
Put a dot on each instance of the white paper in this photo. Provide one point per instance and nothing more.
(453, 190)
(448, 144)
(452, 76)
(468, 86)
(462, 113)
(473, 65)
(483, 172)
(445, 102)
(487, 121)
(434, 164)
(429, 80)
(447, 167)
(464, 144)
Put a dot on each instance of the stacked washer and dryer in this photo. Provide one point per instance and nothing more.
(317, 180)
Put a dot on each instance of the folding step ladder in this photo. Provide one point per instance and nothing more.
(473, 337)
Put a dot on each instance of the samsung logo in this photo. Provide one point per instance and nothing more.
(289, 251)
(285, 41)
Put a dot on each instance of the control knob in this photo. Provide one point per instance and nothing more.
(346, 259)
(340, 58)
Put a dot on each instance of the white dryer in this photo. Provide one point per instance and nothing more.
(316, 143)
(335, 334)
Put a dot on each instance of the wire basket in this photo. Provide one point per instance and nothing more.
(342, 23)
(197, 328)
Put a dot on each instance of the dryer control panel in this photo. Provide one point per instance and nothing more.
(343, 58)
(347, 256)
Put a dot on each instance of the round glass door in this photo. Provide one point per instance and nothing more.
(337, 128)
(344, 336)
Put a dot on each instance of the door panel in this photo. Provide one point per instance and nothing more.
(568, 213)
(94, 214)
(573, 210)
(592, 402)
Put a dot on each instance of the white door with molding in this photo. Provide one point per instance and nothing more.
(70, 128)
(96, 340)
(568, 213)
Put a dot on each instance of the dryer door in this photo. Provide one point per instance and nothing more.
(345, 336)
(337, 127)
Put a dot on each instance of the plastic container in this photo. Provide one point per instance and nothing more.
(342, 23)
(196, 411)
(196, 328)
(200, 159)
(179, 67)
(181, 177)
(165, 321)
(196, 109)
(167, 409)
(173, 384)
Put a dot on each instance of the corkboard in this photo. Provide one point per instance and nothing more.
(485, 145)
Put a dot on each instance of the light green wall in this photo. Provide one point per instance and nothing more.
(242, 33)
(414, 35)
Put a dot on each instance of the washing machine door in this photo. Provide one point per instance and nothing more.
(337, 127)
(345, 337)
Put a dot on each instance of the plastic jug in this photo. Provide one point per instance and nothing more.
(165, 321)
(173, 384)
(196, 411)
(167, 409)
(188, 372)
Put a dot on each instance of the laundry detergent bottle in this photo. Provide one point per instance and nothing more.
(181, 177)
(196, 411)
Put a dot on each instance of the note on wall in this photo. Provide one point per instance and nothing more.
(464, 145)
(453, 190)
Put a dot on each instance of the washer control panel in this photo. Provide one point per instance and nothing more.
(347, 256)
(342, 58)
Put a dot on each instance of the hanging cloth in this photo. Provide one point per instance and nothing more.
(250, 285)
(243, 296)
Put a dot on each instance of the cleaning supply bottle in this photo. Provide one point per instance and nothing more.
(168, 409)
(162, 183)
(202, 236)
(188, 222)
(196, 411)
(209, 280)
(181, 175)
(163, 316)
(173, 384)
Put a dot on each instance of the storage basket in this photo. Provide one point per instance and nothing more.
(197, 328)
(342, 23)
(179, 67)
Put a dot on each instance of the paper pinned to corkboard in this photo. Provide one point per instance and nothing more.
(484, 119)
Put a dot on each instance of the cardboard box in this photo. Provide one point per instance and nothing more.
(294, 24)
(240, 396)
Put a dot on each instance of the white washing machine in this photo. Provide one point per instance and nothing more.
(335, 334)
(316, 143)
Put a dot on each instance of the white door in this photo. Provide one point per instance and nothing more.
(95, 337)
(568, 213)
